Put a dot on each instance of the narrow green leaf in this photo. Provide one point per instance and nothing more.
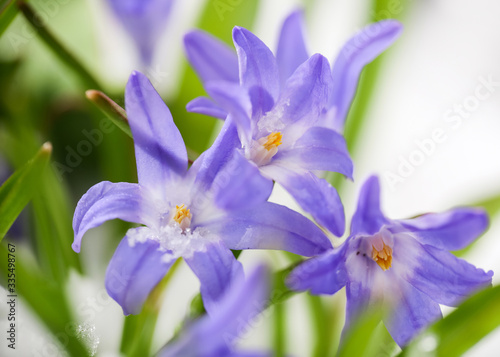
(462, 329)
(491, 205)
(8, 12)
(113, 111)
(52, 227)
(364, 339)
(57, 48)
(468, 324)
(18, 190)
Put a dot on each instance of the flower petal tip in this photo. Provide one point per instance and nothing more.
(318, 59)
(393, 26)
(193, 37)
(190, 35)
(372, 183)
(76, 247)
(297, 12)
(241, 33)
(483, 217)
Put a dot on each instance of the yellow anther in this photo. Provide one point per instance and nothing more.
(382, 257)
(273, 141)
(181, 213)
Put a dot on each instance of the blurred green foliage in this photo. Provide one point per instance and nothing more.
(461, 329)
(18, 190)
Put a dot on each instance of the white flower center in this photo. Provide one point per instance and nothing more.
(173, 240)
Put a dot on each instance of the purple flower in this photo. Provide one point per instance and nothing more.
(214, 60)
(198, 214)
(144, 20)
(405, 264)
(215, 336)
(282, 106)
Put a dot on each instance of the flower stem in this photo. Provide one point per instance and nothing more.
(279, 337)
(319, 318)
(8, 12)
(64, 55)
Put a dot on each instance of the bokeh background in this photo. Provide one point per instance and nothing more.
(426, 119)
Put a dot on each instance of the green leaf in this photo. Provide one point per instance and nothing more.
(18, 190)
(462, 329)
(52, 227)
(8, 11)
(467, 325)
(491, 205)
(365, 336)
(113, 111)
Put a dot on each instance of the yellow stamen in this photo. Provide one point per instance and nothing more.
(273, 141)
(382, 257)
(181, 213)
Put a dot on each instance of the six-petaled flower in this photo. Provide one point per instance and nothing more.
(287, 108)
(198, 214)
(404, 264)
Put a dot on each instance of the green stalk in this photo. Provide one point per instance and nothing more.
(59, 50)
(279, 335)
(278, 300)
(319, 317)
